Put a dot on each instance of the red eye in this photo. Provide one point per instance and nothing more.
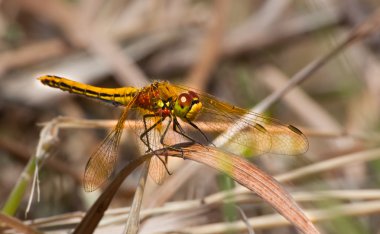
(193, 95)
(184, 99)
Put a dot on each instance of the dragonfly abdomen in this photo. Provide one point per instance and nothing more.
(116, 96)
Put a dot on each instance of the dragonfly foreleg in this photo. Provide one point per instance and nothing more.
(147, 130)
(166, 130)
(165, 163)
(181, 131)
(196, 127)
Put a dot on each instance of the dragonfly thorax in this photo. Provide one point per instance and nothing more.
(154, 100)
(164, 107)
(162, 100)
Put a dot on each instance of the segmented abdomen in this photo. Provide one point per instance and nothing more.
(117, 96)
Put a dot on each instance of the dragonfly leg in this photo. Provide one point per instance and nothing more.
(181, 131)
(165, 163)
(196, 127)
(163, 138)
(147, 130)
(166, 130)
(146, 143)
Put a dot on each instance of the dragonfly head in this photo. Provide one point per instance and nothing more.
(187, 106)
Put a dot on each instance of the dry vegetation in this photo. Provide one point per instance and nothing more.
(314, 64)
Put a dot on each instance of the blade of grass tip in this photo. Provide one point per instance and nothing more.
(16, 224)
(35, 185)
(133, 221)
(254, 179)
(96, 212)
(48, 138)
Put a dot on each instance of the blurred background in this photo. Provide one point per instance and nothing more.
(238, 51)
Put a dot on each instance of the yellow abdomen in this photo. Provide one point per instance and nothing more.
(117, 96)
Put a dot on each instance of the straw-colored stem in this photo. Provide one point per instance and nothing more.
(133, 222)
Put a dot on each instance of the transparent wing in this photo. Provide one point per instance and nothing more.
(102, 162)
(254, 132)
(157, 171)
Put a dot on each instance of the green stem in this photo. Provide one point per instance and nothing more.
(15, 198)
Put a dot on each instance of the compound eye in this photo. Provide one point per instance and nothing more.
(184, 100)
(193, 95)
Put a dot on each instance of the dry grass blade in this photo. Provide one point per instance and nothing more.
(274, 220)
(254, 179)
(316, 168)
(239, 169)
(133, 222)
(15, 224)
(33, 53)
(177, 220)
(330, 164)
(93, 216)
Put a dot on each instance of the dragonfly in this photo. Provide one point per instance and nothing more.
(165, 114)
